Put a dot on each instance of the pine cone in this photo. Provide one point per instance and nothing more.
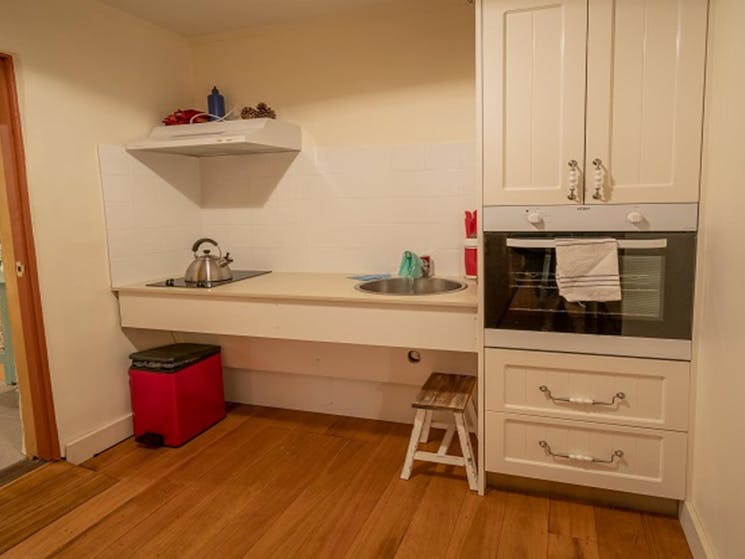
(265, 111)
(262, 110)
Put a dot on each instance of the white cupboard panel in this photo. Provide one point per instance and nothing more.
(653, 462)
(533, 72)
(336, 322)
(655, 392)
(645, 85)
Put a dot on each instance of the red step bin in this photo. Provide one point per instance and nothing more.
(177, 392)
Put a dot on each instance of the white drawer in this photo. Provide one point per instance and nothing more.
(653, 461)
(655, 392)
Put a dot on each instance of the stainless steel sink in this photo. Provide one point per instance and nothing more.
(409, 286)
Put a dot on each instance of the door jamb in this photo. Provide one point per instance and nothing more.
(32, 349)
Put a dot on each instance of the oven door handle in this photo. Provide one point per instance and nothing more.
(632, 244)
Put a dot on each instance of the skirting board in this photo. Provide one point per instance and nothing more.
(694, 532)
(87, 446)
(336, 396)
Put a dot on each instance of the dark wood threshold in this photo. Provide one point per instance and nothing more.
(582, 494)
(14, 471)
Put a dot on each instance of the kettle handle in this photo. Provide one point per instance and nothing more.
(198, 242)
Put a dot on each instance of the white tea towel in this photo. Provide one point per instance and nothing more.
(587, 269)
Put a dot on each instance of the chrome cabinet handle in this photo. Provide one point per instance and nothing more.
(580, 400)
(573, 179)
(598, 178)
(618, 453)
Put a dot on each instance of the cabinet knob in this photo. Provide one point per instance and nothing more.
(634, 217)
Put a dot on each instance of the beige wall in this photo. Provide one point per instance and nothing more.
(396, 74)
(717, 494)
(401, 72)
(87, 75)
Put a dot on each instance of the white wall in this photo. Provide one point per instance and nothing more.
(717, 486)
(395, 73)
(87, 75)
(343, 379)
(385, 95)
(350, 209)
(153, 213)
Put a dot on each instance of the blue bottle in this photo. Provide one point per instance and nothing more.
(215, 104)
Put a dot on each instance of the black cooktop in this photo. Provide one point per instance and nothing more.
(238, 275)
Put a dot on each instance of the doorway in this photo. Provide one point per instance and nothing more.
(11, 429)
(25, 359)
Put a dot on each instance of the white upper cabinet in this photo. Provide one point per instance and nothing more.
(645, 87)
(616, 85)
(533, 70)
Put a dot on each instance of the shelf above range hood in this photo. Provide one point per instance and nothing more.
(230, 137)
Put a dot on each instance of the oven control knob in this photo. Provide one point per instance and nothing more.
(634, 217)
(535, 218)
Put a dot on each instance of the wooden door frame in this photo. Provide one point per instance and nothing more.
(42, 439)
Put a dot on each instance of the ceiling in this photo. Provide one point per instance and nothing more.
(197, 17)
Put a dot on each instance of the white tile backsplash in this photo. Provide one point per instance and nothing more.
(153, 213)
(411, 158)
(347, 209)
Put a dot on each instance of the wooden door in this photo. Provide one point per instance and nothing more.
(533, 80)
(645, 85)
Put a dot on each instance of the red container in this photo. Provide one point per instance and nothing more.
(471, 257)
(173, 401)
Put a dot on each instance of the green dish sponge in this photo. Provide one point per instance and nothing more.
(411, 265)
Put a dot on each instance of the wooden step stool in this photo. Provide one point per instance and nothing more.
(448, 393)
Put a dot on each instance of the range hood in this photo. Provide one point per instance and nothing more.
(229, 137)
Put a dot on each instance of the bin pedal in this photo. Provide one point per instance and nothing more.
(151, 440)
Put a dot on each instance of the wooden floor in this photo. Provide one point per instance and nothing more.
(276, 483)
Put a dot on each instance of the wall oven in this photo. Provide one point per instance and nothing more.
(656, 260)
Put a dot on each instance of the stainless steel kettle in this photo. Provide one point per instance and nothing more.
(207, 268)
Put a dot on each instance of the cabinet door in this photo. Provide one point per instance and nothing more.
(533, 80)
(645, 83)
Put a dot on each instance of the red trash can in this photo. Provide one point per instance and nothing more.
(177, 392)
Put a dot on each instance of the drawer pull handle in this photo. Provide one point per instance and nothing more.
(579, 399)
(618, 453)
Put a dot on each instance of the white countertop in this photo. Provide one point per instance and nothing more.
(320, 288)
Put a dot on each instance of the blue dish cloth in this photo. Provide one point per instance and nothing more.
(370, 277)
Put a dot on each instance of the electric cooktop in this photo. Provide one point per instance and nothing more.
(238, 275)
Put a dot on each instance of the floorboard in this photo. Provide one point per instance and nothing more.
(621, 535)
(282, 483)
(525, 527)
(477, 529)
(43, 496)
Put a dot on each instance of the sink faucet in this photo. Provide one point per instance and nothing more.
(428, 267)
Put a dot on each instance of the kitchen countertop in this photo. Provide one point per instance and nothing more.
(310, 287)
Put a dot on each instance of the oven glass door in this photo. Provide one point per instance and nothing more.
(657, 281)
